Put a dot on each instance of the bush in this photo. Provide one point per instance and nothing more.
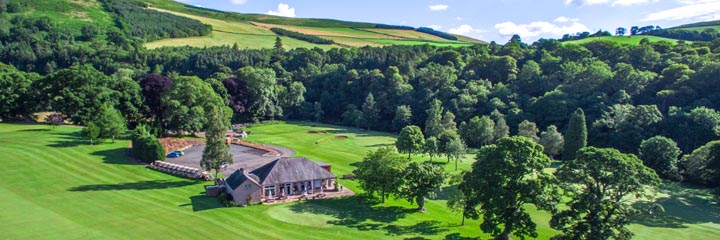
(146, 146)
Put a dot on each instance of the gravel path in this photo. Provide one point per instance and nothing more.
(243, 157)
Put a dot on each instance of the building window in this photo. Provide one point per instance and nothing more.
(248, 186)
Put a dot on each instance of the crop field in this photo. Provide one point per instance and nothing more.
(57, 186)
(251, 34)
(632, 40)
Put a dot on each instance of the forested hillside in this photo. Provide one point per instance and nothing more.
(629, 93)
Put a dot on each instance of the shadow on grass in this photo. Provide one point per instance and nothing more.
(422, 228)
(381, 145)
(115, 156)
(354, 212)
(142, 185)
(66, 140)
(202, 203)
(35, 130)
(456, 236)
(685, 204)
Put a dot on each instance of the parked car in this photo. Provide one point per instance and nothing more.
(175, 154)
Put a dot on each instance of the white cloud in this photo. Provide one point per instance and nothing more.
(536, 29)
(238, 2)
(614, 3)
(586, 2)
(561, 19)
(438, 7)
(629, 2)
(703, 9)
(462, 29)
(283, 10)
(467, 30)
(435, 26)
(459, 18)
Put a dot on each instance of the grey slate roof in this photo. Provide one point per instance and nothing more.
(288, 170)
(235, 179)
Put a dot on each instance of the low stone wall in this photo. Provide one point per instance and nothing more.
(270, 151)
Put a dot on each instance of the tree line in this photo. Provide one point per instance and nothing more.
(629, 93)
(510, 173)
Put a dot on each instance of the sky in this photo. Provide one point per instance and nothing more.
(489, 20)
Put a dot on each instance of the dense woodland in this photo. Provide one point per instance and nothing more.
(628, 93)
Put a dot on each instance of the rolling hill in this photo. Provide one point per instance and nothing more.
(253, 30)
(250, 31)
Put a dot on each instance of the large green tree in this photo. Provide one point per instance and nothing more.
(15, 91)
(410, 140)
(111, 122)
(576, 135)
(661, 154)
(501, 129)
(552, 141)
(504, 178)
(433, 124)
(261, 85)
(379, 172)
(216, 152)
(370, 111)
(187, 104)
(403, 117)
(478, 131)
(78, 92)
(529, 130)
(421, 180)
(431, 147)
(600, 183)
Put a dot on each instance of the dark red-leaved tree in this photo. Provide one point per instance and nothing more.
(153, 86)
(238, 94)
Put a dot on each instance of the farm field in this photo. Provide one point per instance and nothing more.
(253, 34)
(56, 186)
(633, 40)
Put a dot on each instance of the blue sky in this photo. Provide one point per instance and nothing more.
(490, 20)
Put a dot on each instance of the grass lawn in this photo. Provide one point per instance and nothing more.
(632, 40)
(56, 186)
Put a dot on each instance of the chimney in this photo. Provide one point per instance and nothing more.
(243, 171)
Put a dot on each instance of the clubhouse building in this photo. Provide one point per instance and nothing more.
(279, 179)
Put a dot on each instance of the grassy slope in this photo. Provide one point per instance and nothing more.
(634, 40)
(71, 14)
(252, 31)
(55, 186)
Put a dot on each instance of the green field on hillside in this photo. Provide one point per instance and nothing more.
(68, 14)
(253, 31)
(700, 29)
(632, 40)
(56, 186)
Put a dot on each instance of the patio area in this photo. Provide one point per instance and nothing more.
(310, 196)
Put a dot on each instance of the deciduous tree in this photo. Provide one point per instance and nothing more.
(379, 172)
(506, 176)
(421, 180)
(599, 183)
(410, 140)
(552, 141)
(661, 154)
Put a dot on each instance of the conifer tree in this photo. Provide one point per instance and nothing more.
(576, 135)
